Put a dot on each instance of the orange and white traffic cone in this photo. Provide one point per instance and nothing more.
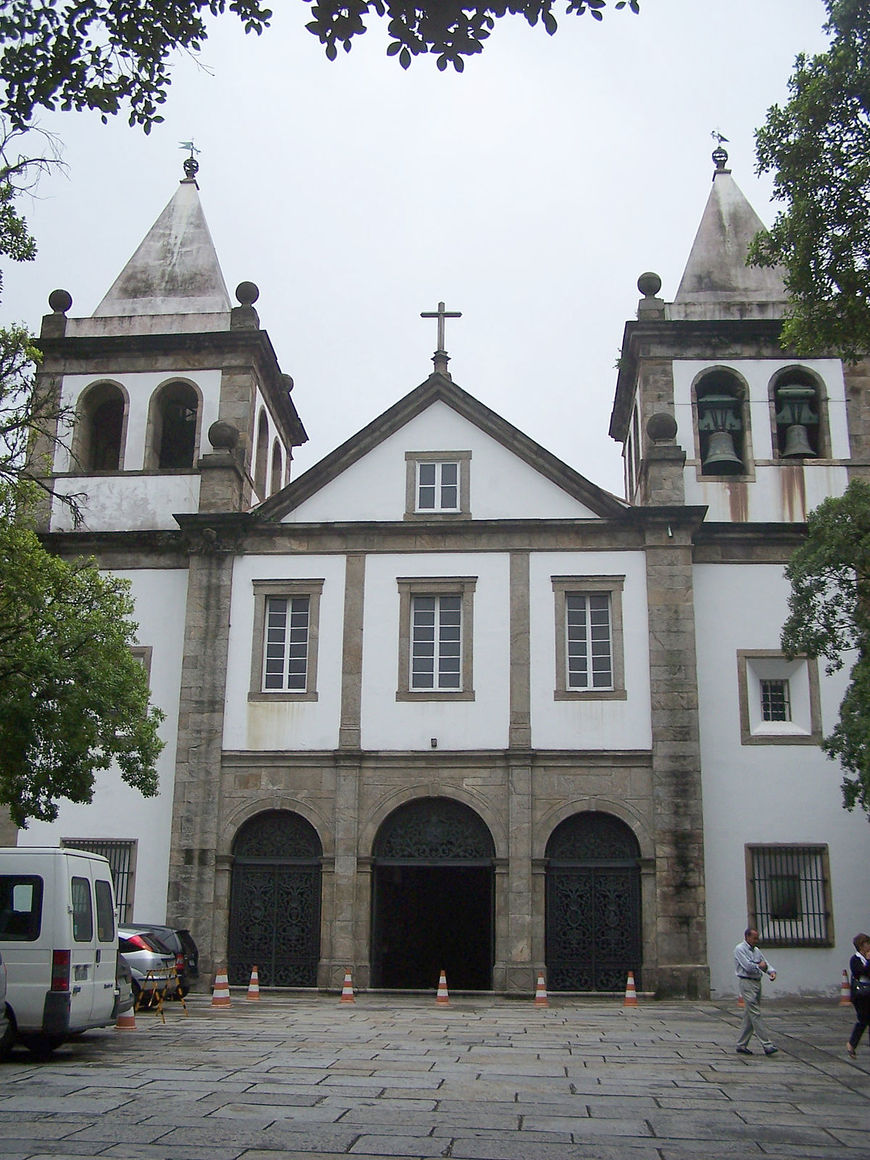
(541, 999)
(347, 989)
(221, 995)
(126, 1021)
(630, 993)
(254, 985)
(845, 991)
(741, 1002)
(442, 997)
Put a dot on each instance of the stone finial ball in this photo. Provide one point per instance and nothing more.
(60, 301)
(649, 284)
(287, 380)
(223, 435)
(661, 427)
(247, 293)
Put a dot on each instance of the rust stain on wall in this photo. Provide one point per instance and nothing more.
(793, 494)
(738, 501)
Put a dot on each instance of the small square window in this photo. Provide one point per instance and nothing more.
(437, 484)
(775, 702)
(778, 698)
(284, 662)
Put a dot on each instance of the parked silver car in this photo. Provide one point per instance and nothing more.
(152, 966)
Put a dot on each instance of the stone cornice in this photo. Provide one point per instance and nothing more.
(724, 543)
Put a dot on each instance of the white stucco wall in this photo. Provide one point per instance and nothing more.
(766, 794)
(297, 725)
(773, 495)
(117, 811)
(592, 724)
(502, 486)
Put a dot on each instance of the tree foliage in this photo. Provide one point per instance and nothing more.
(73, 698)
(817, 146)
(829, 616)
(114, 55)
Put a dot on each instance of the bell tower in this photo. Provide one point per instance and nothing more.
(178, 402)
(709, 407)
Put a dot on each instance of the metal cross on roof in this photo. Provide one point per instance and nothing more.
(441, 314)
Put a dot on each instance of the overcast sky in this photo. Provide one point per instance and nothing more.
(529, 193)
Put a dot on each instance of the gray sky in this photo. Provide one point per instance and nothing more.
(528, 192)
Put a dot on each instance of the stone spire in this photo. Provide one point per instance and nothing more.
(175, 270)
(716, 282)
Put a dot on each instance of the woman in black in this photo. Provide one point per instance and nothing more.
(859, 965)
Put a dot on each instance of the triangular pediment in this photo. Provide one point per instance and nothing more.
(512, 473)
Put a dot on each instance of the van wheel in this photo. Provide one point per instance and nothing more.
(8, 1036)
(41, 1046)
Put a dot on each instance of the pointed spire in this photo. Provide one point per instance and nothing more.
(716, 282)
(175, 270)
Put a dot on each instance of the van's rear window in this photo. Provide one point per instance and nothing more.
(20, 907)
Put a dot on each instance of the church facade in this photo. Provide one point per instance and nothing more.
(440, 702)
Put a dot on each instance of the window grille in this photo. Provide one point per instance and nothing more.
(121, 858)
(789, 894)
(775, 700)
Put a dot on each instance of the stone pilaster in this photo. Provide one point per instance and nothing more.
(680, 966)
(197, 795)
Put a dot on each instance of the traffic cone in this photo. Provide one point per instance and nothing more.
(221, 994)
(741, 1002)
(541, 999)
(347, 989)
(845, 991)
(630, 993)
(254, 985)
(126, 1021)
(442, 997)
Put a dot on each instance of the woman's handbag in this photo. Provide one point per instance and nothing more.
(861, 987)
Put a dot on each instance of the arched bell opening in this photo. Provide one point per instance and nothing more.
(722, 423)
(798, 409)
(433, 898)
(275, 901)
(593, 918)
(99, 435)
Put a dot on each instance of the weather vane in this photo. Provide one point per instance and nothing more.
(720, 157)
(191, 165)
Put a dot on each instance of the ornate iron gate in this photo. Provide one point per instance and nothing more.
(275, 902)
(593, 904)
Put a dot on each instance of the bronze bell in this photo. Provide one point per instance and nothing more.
(797, 444)
(721, 458)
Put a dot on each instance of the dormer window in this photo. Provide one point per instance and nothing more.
(722, 424)
(437, 484)
(798, 416)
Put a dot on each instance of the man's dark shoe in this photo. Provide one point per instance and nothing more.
(746, 1051)
(771, 1050)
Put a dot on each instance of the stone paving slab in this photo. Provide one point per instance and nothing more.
(296, 1077)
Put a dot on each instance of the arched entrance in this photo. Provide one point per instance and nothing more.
(593, 904)
(432, 897)
(275, 901)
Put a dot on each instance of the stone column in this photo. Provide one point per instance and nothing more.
(680, 950)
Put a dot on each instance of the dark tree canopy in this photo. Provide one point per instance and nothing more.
(817, 146)
(829, 616)
(114, 55)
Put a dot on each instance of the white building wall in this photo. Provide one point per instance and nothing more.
(478, 724)
(592, 724)
(766, 794)
(773, 495)
(297, 725)
(502, 486)
(117, 811)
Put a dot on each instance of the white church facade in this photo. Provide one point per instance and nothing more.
(440, 702)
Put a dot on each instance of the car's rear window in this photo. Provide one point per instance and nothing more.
(20, 907)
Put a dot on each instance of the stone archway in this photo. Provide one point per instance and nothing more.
(275, 901)
(593, 904)
(432, 897)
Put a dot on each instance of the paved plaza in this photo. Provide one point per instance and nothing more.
(482, 1079)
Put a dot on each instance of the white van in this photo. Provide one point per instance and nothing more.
(59, 943)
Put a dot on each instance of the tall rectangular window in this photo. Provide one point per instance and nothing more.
(285, 663)
(589, 657)
(436, 642)
(789, 894)
(121, 856)
(589, 652)
(285, 643)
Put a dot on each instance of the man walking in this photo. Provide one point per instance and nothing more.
(750, 964)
